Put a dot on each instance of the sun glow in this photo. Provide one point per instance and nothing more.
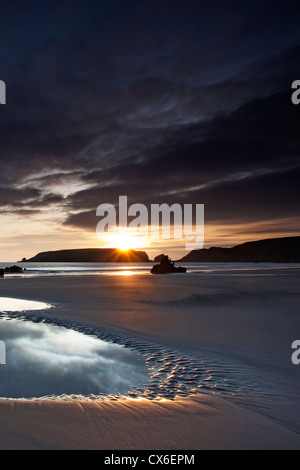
(124, 241)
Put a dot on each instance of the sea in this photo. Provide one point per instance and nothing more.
(100, 269)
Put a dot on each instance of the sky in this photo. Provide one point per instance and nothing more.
(185, 102)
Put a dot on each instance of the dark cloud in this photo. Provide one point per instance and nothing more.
(244, 164)
(163, 102)
(26, 200)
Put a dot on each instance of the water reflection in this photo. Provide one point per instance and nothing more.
(8, 304)
(43, 360)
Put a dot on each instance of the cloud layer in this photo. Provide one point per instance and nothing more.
(174, 102)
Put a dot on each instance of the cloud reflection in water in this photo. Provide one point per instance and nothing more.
(43, 360)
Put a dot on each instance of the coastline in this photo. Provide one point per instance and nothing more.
(188, 315)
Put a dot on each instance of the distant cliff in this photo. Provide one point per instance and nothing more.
(90, 255)
(274, 250)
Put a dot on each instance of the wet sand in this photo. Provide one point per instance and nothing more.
(202, 423)
(234, 331)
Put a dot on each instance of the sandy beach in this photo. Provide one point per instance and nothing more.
(235, 330)
(150, 230)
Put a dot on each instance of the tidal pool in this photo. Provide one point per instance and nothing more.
(8, 304)
(48, 360)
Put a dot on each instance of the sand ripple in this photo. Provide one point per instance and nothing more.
(171, 373)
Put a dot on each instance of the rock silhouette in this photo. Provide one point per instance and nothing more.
(91, 255)
(158, 258)
(13, 269)
(274, 250)
(166, 266)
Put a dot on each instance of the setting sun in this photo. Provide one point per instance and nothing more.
(123, 241)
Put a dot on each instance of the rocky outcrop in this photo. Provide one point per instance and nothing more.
(13, 269)
(91, 255)
(158, 258)
(274, 250)
(166, 266)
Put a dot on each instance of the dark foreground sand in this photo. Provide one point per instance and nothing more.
(198, 424)
(249, 320)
